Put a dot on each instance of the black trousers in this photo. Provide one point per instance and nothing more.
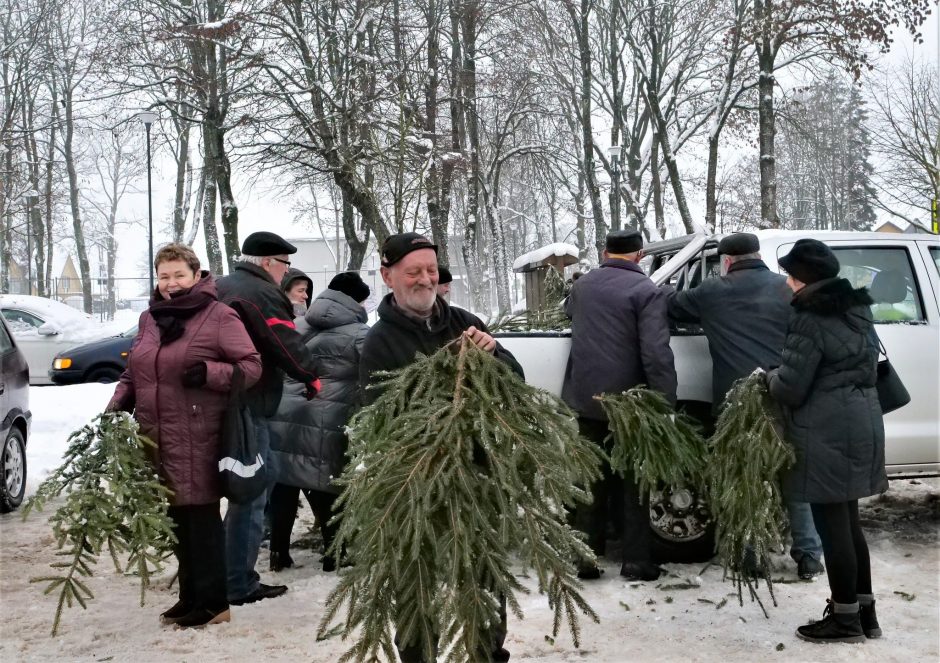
(617, 497)
(848, 565)
(200, 549)
(284, 513)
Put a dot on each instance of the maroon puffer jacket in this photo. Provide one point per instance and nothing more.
(185, 422)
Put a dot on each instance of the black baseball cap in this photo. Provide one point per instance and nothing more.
(398, 246)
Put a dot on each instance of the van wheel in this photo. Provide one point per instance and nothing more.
(681, 526)
(12, 471)
(104, 375)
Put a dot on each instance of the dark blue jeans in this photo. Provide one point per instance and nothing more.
(244, 527)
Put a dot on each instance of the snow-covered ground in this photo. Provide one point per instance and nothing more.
(663, 621)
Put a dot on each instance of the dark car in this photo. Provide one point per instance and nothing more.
(99, 361)
(14, 427)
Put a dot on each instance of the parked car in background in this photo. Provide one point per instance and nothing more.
(902, 273)
(44, 327)
(15, 419)
(98, 361)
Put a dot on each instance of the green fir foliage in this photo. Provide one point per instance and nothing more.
(653, 442)
(456, 469)
(550, 317)
(113, 500)
(748, 454)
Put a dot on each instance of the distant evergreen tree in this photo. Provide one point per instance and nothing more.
(824, 172)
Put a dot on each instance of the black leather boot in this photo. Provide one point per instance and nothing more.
(834, 627)
(869, 619)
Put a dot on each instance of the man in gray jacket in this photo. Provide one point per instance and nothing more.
(744, 315)
(619, 339)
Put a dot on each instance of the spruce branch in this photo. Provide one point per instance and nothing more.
(455, 470)
(113, 499)
(747, 456)
(656, 444)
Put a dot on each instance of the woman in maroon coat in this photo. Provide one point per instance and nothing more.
(176, 383)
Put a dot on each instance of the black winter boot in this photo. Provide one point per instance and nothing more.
(869, 619)
(280, 561)
(179, 610)
(842, 626)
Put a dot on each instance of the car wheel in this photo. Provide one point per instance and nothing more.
(12, 471)
(104, 375)
(681, 526)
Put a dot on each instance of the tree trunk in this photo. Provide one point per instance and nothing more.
(183, 178)
(711, 198)
(208, 210)
(468, 85)
(581, 24)
(357, 247)
(77, 228)
(765, 114)
(437, 210)
(670, 159)
(657, 191)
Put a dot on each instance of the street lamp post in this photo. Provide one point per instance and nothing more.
(614, 152)
(148, 118)
(29, 197)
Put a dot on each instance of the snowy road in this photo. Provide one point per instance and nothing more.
(639, 621)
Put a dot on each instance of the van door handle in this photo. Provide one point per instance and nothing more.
(3, 387)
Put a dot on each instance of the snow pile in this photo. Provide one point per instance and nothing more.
(538, 255)
(57, 412)
(688, 615)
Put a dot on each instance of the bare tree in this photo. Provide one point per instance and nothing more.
(806, 29)
(907, 103)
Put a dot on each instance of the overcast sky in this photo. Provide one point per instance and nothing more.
(262, 209)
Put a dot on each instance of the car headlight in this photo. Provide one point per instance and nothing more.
(61, 362)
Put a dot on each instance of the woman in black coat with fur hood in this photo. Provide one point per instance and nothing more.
(826, 385)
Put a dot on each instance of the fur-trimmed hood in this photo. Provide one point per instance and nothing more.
(831, 297)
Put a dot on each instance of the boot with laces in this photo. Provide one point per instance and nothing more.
(840, 623)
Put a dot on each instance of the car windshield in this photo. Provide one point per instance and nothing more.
(130, 333)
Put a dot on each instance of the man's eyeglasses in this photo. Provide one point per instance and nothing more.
(283, 262)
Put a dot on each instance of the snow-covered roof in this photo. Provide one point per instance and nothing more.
(537, 256)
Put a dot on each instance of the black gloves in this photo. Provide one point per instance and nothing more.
(195, 375)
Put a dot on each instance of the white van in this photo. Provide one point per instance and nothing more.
(903, 274)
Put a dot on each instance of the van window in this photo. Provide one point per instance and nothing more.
(935, 253)
(889, 277)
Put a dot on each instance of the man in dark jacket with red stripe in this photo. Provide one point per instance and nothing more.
(619, 339)
(253, 291)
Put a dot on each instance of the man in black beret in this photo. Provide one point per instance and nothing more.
(444, 279)
(413, 318)
(619, 339)
(744, 315)
(253, 290)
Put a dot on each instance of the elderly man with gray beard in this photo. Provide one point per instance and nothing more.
(414, 318)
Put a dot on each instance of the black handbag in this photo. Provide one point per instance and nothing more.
(892, 394)
(242, 470)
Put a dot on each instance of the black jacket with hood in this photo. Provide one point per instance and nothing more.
(826, 385)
